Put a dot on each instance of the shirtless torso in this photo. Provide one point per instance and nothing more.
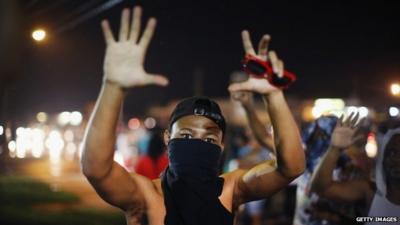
(153, 200)
(137, 195)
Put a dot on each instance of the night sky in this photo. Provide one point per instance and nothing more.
(336, 49)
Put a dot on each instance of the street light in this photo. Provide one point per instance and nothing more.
(41, 117)
(395, 89)
(39, 35)
(394, 111)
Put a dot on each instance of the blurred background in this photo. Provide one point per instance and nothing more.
(51, 52)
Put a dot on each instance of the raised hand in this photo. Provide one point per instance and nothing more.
(124, 59)
(261, 86)
(344, 134)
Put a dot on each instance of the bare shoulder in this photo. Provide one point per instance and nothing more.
(151, 195)
(150, 189)
(231, 179)
(233, 176)
(231, 189)
(157, 186)
(147, 185)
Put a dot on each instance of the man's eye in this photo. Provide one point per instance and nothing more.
(210, 140)
(187, 136)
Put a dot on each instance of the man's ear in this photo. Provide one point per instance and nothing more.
(167, 137)
(222, 146)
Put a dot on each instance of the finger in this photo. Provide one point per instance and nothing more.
(248, 47)
(242, 86)
(148, 33)
(124, 25)
(158, 80)
(280, 68)
(347, 120)
(339, 123)
(108, 36)
(273, 58)
(354, 121)
(263, 46)
(136, 22)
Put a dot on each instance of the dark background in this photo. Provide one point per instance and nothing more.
(337, 49)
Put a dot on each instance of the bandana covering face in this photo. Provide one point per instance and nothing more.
(191, 184)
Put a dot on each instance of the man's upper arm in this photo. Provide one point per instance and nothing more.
(257, 183)
(348, 191)
(119, 188)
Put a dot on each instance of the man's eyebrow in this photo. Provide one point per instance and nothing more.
(185, 129)
(213, 128)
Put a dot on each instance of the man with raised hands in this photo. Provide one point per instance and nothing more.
(191, 190)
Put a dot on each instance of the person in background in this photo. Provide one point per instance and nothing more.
(257, 149)
(155, 161)
(261, 147)
(312, 208)
(383, 197)
(315, 138)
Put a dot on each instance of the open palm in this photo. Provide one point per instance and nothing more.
(124, 59)
(344, 134)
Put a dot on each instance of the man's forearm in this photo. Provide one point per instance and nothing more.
(97, 158)
(322, 177)
(290, 154)
(259, 130)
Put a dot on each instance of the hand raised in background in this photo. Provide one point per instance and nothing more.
(344, 134)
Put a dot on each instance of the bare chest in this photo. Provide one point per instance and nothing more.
(155, 210)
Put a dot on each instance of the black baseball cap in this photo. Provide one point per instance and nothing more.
(200, 106)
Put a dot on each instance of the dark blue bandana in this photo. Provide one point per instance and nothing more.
(191, 184)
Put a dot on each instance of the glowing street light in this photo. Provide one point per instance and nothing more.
(39, 35)
(395, 89)
(150, 123)
(394, 111)
(134, 123)
(75, 118)
(371, 148)
(12, 147)
(64, 118)
(41, 117)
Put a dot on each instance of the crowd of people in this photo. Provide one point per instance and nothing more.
(199, 170)
(339, 182)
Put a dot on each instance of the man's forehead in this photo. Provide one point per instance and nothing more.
(193, 121)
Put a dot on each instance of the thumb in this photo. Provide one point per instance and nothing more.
(242, 86)
(158, 80)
